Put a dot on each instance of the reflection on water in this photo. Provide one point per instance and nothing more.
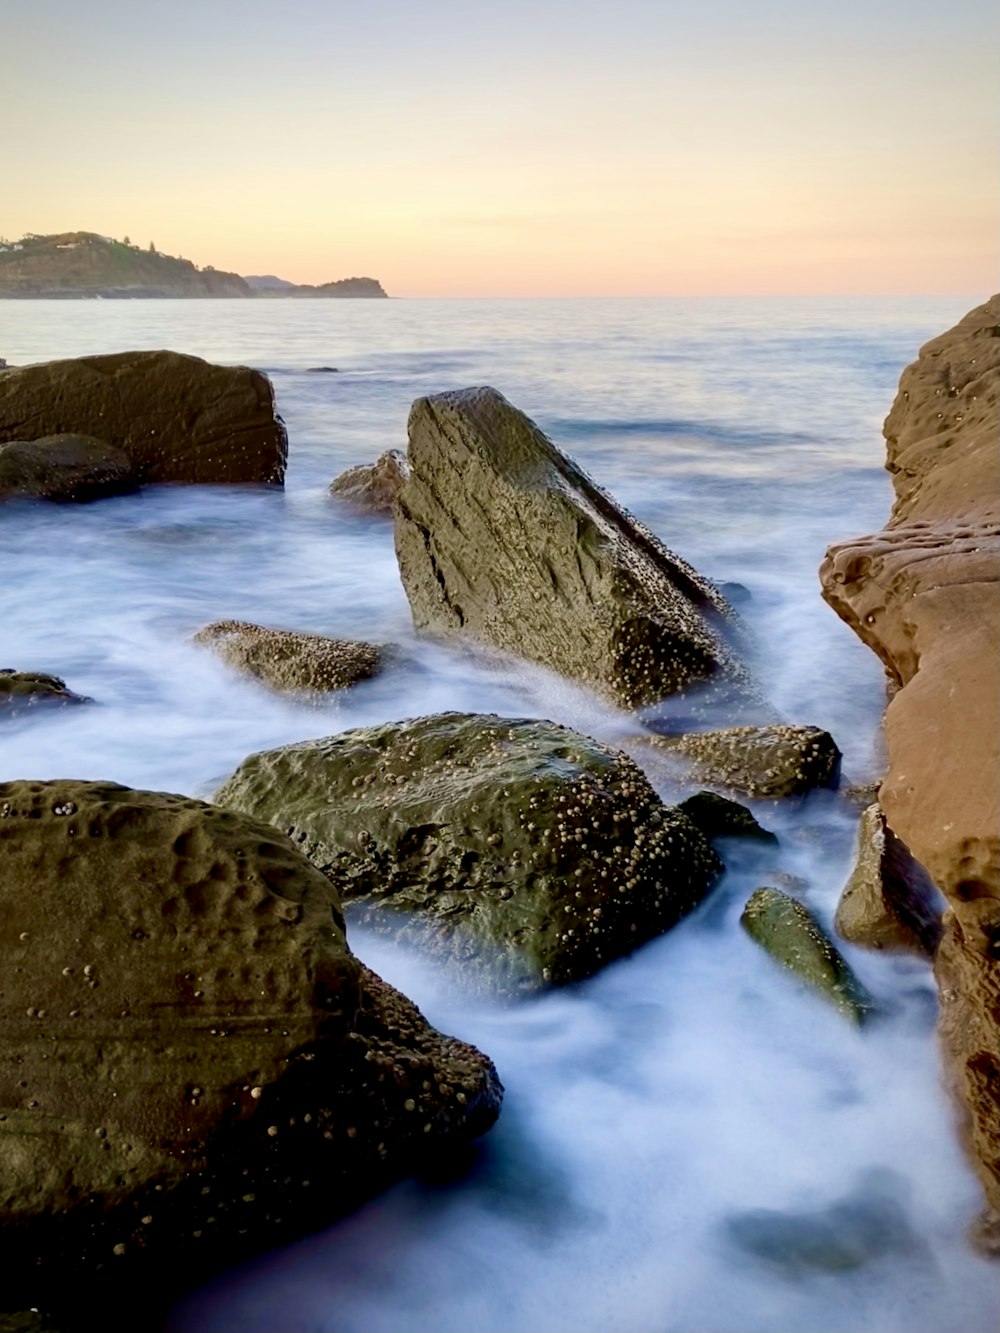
(689, 1141)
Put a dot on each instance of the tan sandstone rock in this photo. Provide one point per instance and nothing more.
(287, 659)
(177, 418)
(924, 593)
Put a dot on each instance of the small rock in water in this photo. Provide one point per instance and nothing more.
(718, 817)
(765, 762)
(287, 659)
(791, 934)
(21, 690)
(373, 487)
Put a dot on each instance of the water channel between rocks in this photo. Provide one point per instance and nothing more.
(650, 1110)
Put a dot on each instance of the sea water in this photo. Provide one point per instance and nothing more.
(663, 1120)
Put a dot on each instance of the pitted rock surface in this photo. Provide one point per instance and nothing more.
(287, 659)
(522, 852)
(66, 468)
(192, 1063)
(791, 934)
(765, 762)
(373, 487)
(924, 593)
(21, 691)
(503, 538)
(176, 418)
(890, 901)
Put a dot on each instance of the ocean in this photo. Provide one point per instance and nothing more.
(690, 1085)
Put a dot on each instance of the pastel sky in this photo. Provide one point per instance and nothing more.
(558, 147)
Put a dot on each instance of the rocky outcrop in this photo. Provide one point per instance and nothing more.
(176, 418)
(23, 691)
(502, 538)
(192, 1063)
(519, 851)
(286, 659)
(890, 901)
(792, 935)
(373, 487)
(924, 593)
(67, 468)
(764, 762)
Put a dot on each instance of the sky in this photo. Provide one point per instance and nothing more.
(552, 148)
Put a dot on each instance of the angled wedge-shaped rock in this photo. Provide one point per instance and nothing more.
(503, 538)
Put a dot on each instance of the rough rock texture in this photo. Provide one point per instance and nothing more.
(792, 935)
(758, 761)
(890, 901)
(530, 854)
(503, 538)
(718, 817)
(373, 487)
(287, 659)
(24, 690)
(192, 1063)
(925, 595)
(64, 467)
(177, 418)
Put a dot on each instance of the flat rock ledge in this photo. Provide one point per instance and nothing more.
(193, 1065)
(520, 852)
(373, 487)
(176, 418)
(289, 660)
(504, 539)
(924, 593)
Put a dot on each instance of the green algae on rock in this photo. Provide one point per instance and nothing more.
(502, 538)
(765, 762)
(792, 935)
(24, 690)
(192, 1063)
(521, 851)
(889, 901)
(66, 468)
(288, 659)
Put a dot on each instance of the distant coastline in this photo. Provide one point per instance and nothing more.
(82, 265)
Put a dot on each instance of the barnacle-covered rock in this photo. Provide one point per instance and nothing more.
(890, 901)
(288, 659)
(521, 851)
(765, 762)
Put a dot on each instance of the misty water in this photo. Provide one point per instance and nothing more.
(653, 1108)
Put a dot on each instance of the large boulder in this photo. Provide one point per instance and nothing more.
(287, 659)
(924, 594)
(503, 538)
(67, 468)
(177, 418)
(792, 935)
(765, 762)
(373, 487)
(24, 690)
(890, 901)
(520, 851)
(192, 1063)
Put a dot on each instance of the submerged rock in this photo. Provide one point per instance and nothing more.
(764, 762)
(889, 901)
(718, 817)
(176, 418)
(287, 659)
(504, 539)
(860, 1229)
(521, 851)
(373, 487)
(791, 934)
(23, 690)
(65, 467)
(192, 1063)
(924, 594)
